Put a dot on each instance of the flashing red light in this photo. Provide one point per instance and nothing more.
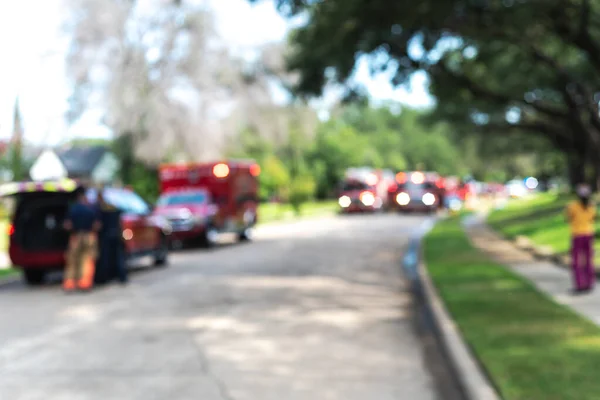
(392, 188)
(221, 170)
(11, 229)
(418, 178)
(255, 170)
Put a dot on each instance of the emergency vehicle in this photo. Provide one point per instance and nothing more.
(203, 200)
(38, 241)
(364, 190)
(415, 191)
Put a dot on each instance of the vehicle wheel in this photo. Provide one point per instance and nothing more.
(245, 235)
(209, 238)
(34, 277)
(161, 256)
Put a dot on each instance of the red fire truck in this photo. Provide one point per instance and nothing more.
(416, 191)
(202, 200)
(364, 190)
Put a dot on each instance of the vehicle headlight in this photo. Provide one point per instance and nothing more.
(198, 219)
(403, 198)
(428, 199)
(344, 201)
(367, 199)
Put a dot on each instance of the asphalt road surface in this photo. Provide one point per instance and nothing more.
(310, 310)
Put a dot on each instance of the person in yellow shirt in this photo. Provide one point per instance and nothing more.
(581, 214)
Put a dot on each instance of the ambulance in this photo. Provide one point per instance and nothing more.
(204, 200)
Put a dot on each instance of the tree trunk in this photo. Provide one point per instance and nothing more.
(576, 169)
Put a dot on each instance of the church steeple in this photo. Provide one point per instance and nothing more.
(17, 136)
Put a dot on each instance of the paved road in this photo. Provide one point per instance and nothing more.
(310, 310)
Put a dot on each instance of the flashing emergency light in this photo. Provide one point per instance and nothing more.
(417, 178)
(401, 177)
(11, 230)
(221, 170)
(255, 170)
(372, 179)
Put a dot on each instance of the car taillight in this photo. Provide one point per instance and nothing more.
(392, 188)
(11, 229)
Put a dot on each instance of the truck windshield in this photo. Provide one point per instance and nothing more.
(182, 198)
(418, 186)
(350, 186)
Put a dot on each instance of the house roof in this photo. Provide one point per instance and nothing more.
(81, 160)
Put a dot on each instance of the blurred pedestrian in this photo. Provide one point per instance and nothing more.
(581, 215)
(83, 223)
(111, 263)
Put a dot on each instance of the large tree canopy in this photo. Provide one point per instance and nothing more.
(496, 66)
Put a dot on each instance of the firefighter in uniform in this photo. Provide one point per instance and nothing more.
(111, 262)
(83, 223)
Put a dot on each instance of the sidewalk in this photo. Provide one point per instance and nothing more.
(547, 277)
(4, 261)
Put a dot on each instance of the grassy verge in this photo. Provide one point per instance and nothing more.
(533, 348)
(7, 272)
(541, 219)
(270, 212)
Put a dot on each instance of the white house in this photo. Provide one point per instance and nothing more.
(95, 163)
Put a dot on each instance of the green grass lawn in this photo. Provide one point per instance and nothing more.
(541, 219)
(533, 348)
(269, 212)
(7, 272)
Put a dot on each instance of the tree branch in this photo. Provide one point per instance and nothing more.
(481, 91)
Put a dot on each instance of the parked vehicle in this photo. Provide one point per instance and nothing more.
(414, 192)
(38, 241)
(203, 200)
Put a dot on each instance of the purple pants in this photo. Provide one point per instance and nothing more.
(582, 261)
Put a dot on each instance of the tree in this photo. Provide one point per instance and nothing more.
(535, 61)
(163, 77)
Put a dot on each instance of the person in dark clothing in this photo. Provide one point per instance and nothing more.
(112, 252)
(83, 224)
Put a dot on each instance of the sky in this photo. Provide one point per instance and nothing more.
(33, 47)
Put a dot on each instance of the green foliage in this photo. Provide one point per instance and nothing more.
(274, 178)
(302, 189)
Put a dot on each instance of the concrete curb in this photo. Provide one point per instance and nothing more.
(473, 379)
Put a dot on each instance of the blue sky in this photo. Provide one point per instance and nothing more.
(32, 65)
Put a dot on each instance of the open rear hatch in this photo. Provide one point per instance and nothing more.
(40, 211)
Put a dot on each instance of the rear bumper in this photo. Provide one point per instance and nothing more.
(357, 209)
(23, 259)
